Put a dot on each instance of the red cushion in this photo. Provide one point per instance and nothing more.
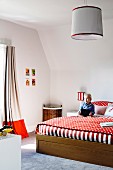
(19, 128)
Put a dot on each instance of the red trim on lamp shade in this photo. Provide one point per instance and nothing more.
(86, 34)
(75, 35)
(86, 7)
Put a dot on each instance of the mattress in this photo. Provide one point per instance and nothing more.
(80, 128)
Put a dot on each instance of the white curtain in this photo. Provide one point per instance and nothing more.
(11, 100)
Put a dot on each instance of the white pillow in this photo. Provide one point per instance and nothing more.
(109, 111)
(100, 109)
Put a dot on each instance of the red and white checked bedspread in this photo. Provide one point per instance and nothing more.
(77, 127)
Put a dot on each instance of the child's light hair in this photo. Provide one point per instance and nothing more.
(87, 96)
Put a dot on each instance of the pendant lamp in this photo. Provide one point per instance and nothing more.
(87, 23)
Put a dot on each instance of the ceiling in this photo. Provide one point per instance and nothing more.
(42, 13)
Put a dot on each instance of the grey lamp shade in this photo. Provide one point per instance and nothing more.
(86, 23)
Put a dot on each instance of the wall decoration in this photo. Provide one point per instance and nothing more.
(30, 76)
(27, 82)
(27, 72)
(33, 72)
(33, 82)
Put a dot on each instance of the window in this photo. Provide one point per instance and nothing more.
(2, 61)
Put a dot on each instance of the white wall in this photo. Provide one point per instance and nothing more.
(29, 53)
(78, 65)
(74, 66)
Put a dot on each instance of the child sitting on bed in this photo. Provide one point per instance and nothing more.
(87, 108)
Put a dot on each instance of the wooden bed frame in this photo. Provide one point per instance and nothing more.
(85, 151)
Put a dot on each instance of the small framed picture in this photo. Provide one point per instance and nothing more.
(27, 82)
(33, 72)
(33, 82)
(27, 72)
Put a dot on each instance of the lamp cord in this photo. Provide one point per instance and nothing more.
(85, 2)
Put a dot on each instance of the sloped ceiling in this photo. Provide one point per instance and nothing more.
(52, 20)
(37, 13)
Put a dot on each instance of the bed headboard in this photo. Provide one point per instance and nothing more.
(102, 103)
(101, 106)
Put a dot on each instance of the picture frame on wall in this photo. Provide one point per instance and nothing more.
(27, 72)
(33, 72)
(33, 82)
(27, 82)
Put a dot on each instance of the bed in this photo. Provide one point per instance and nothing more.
(69, 139)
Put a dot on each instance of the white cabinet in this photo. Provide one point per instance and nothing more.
(72, 113)
(10, 152)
